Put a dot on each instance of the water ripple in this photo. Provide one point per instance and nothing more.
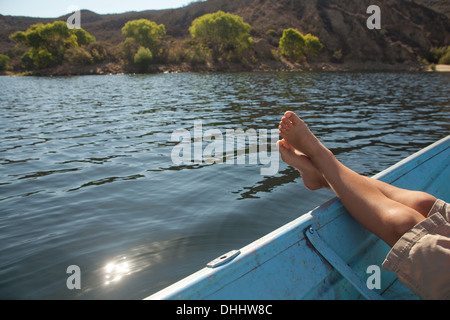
(86, 175)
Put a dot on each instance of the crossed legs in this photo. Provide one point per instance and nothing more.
(385, 210)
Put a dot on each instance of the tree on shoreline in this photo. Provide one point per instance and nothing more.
(312, 45)
(292, 44)
(222, 32)
(296, 46)
(48, 43)
(142, 33)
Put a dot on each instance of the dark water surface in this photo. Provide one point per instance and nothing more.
(87, 176)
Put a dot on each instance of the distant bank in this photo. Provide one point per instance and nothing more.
(117, 68)
(443, 67)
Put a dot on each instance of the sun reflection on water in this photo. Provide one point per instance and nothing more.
(115, 271)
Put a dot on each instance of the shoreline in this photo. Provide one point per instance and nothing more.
(112, 68)
(442, 68)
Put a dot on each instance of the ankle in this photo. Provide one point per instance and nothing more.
(322, 156)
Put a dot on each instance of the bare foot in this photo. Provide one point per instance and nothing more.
(312, 178)
(298, 135)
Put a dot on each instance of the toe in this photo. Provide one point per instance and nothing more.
(281, 148)
(279, 145)
(286, 122)
(293, 117)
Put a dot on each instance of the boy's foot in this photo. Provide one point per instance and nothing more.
(312, 178)
(298, 135)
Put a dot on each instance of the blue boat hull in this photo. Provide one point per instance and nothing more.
(324, 254)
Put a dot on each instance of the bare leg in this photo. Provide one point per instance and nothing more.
(420, 201)
(387, 218)
(313, 180)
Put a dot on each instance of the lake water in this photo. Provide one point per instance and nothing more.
(88, 177)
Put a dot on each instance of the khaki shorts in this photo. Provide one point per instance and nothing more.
(421, 258)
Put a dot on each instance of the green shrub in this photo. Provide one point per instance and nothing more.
(292, 44)
(4, 62)
(296, 46)
(198, 54)
(445, 59)
(78, 56)
(129, 49)
(100, 52)
(143, 58)
(27, 62)
(312, 45)
(337, 56)
(271, 33)
(222, 32)
(174, 52)
(42, 58)
(83, 37)
(48, 43)
(437, 53)
(145, 33)
(276, 55)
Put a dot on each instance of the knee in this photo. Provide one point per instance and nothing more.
(424, 203)
(399, 221)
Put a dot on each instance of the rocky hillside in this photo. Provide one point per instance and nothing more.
(408, 28)
(442, 6)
